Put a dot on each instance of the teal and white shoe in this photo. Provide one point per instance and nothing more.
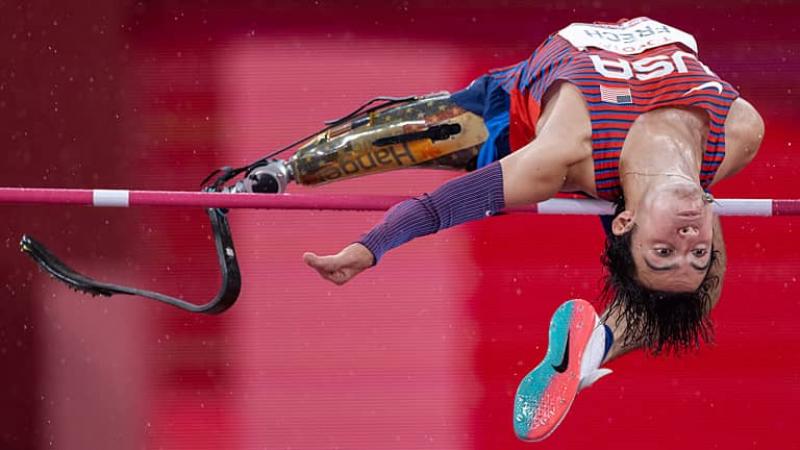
(574, 354)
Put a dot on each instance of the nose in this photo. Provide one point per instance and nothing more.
(688, 231)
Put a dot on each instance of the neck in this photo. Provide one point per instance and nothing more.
(657, 159)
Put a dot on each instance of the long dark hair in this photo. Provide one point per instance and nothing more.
(659, 321)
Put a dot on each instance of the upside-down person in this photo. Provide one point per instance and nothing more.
(624, 112)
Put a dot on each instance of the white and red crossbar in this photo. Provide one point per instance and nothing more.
(125, 198)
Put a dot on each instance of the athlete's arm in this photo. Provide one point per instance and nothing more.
(534, 173)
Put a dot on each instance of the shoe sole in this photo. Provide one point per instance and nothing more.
(545, 395)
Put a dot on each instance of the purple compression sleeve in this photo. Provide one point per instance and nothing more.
(472, 196)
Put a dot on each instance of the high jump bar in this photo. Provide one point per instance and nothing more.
(129, 198)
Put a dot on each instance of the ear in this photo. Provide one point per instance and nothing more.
(622, 223)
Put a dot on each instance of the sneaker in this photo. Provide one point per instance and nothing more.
(576, 350)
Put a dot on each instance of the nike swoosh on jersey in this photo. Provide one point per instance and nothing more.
(711, 84)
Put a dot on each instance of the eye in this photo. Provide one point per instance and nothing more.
(699, 252)
(663, 251)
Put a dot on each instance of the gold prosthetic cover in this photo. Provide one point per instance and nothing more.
(392, 138)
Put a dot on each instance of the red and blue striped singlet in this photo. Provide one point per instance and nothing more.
(623, 71)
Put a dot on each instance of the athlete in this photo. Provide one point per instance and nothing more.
(624, 112)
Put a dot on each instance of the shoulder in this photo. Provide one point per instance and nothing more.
(744, 131)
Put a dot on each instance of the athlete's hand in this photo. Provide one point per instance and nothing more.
(343, 266)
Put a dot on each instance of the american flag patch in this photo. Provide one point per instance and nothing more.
(616, 95)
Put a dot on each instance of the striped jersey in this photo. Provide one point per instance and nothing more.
(623, 70)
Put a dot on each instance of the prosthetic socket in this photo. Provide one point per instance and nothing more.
(426, 132)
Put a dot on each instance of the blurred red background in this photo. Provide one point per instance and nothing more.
(424, 351)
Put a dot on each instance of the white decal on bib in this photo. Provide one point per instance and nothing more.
(628, 38)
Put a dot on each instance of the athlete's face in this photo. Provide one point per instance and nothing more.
(671, 243)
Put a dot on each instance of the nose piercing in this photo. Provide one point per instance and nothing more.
(708, 198)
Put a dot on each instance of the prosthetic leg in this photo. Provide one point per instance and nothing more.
(430, 131)
(424, 132)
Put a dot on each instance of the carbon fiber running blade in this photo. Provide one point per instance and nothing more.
(226, 296)
(57, 269)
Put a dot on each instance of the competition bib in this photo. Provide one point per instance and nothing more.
(628, 38)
